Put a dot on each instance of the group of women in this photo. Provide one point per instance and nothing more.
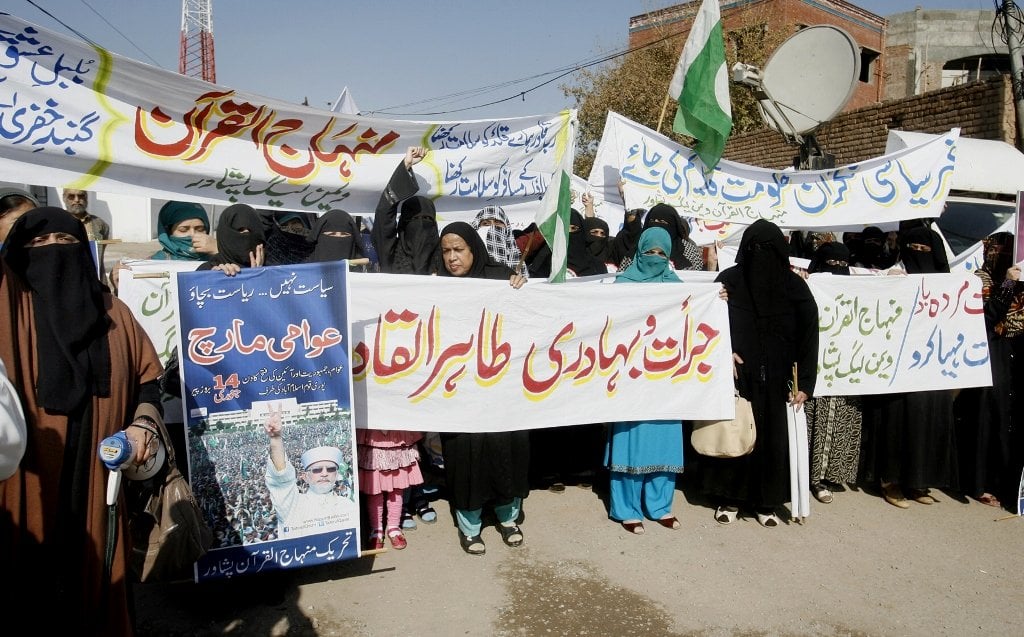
(77, 381)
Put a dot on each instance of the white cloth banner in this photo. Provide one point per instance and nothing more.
(889, 334)
(442, 354)
(908, 184)
(73, 115)
(150, 290)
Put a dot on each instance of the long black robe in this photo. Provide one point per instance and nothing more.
(909, 439)
(483, 468)
(769, 336)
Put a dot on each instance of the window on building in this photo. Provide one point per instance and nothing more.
(868, 60)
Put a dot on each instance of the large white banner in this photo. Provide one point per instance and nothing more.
(909, 184)
(76, 116)
(887, 334)
(441, 354)
(150, 290)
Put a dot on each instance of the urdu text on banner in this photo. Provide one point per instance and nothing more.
(442, 354)
(909, 184)
(77, 116)
(266, 381)
(890, 334)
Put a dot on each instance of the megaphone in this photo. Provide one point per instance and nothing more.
(116, 452)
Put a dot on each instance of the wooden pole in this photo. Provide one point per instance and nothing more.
(664, 107)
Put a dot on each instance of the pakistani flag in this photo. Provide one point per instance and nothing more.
(553, 221)
(701, 86)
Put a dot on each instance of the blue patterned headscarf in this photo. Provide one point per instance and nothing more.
(651, 268)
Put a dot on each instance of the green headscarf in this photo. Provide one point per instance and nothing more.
(179, 248)
(651, 268)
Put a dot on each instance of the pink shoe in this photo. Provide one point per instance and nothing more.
(397, 538)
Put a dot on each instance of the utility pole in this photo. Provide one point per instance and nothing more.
(195, 57)
(1009, 14)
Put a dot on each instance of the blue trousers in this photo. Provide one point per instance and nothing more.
(632, 495)
(469, 519)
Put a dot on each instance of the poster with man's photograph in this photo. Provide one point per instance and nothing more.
(267, 393)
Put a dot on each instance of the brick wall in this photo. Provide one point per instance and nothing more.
(984, 110)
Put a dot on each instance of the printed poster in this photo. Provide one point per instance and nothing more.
(267, 387)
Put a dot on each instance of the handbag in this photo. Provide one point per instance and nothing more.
(730, 438)
(165, 524)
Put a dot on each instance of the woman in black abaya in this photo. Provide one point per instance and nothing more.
(483, 468)
(908, 439)
(773, 320)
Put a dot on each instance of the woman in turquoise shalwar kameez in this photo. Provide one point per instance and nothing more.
(643, 457)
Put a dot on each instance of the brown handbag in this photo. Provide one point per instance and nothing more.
(166, 527)
(730, 438)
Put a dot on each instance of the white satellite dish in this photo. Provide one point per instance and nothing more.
(811, 76)
(806, 82)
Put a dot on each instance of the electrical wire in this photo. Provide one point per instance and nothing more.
(562, 72)
(86, 38)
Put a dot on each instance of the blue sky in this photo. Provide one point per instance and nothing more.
(389, 53)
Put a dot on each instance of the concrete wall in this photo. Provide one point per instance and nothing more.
(918, 43)
(983, 110)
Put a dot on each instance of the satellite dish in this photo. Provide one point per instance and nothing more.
(804, 84)
(811, 77)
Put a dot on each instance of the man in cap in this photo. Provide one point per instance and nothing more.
(317, 510)
(77, 203)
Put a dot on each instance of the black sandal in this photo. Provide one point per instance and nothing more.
(511, 535)
(474, 545)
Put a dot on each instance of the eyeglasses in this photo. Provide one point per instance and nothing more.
(318, 470)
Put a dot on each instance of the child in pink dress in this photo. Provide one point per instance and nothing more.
(388, 464)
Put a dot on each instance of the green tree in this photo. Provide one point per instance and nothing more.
(636, 86)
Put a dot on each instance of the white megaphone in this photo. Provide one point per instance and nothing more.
(116, 453)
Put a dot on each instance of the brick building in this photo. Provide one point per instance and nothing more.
(782, 18)
(923, 70)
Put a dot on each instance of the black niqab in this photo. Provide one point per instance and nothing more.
(918, 262)
(579, 259)
(419, 244)
(69, 308)
(239, 231)
(764, 257)
(600, 247)
(328, 248)
(831, 251)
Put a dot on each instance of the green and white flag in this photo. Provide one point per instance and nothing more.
(701, 87)
(553, 216)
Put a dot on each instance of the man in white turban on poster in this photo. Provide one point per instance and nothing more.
(320, 509)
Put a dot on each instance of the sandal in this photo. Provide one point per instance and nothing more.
(989, 499)
(921, 495)
(821, 493)
(426, 512)
(408, 522)
(670, 523)
(511, 535)
(398, 541)
(726, 515)
(636, 528)
(474, 545)
(768, 520)
(894, 495)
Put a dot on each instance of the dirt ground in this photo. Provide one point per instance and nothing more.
(857, 566)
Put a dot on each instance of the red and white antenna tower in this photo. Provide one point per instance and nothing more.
(196, 54)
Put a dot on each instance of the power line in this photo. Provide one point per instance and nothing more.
(563, 71)
(86, 38)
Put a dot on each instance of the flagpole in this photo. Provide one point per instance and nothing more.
(664, 107)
